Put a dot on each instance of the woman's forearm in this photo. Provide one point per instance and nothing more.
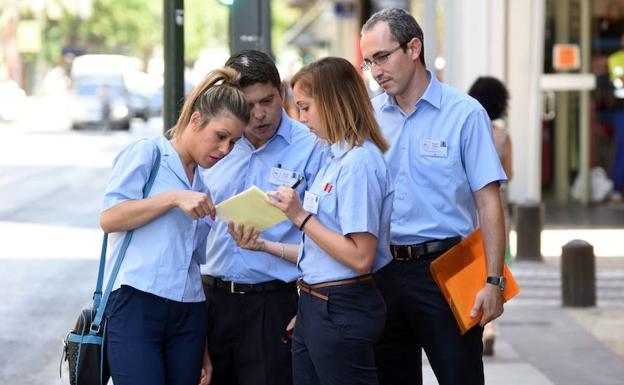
(131, 214)
(286, 251)
(356, 251)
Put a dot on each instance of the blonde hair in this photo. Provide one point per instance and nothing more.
(216, 94)
(341, 98)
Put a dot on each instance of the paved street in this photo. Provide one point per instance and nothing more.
(51, 184)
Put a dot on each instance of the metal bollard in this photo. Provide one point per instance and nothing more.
(529, 219)
(578, 274)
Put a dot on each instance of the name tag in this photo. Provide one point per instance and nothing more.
(310, 202)
(282, 177)
(435, 148)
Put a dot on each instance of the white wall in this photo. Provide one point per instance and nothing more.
(474, 40)
(525, 47)
(503, 38)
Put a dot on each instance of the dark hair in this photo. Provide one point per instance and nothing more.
(403, 27)
(254, 67)
(216, 94)
(343, 105)
(492, 94)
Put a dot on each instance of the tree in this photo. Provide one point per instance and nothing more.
(130, 27)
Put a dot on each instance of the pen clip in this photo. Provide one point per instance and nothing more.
(299, 180)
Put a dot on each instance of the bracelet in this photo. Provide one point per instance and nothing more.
(304, 222)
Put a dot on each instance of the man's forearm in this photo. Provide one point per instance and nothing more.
(492, 223)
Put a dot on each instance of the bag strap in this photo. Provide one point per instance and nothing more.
(101, 301)
(97, 295)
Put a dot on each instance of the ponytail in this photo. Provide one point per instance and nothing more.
(217, 93)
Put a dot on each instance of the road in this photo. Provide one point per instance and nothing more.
(51, 185)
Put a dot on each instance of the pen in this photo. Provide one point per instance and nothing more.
(294, 186)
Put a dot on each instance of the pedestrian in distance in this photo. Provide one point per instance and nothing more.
(492, 94)
(156, 315)
(616, 74)
(345, 219)
(446, 176)
(252, 296)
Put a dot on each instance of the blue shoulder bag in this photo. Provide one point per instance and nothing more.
(84, 345)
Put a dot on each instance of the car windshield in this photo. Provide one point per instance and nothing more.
(98, 86)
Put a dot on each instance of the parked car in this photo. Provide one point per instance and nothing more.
(100, 100)
(109, 90)
(141, 88)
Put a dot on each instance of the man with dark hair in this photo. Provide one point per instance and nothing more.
(446, 173)
(252, 296)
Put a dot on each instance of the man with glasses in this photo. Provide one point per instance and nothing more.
(446, 173)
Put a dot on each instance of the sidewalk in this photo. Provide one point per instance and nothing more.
(539, 342)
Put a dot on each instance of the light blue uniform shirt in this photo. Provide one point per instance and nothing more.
(439, 155)
(355, 196)
(164, 255)
(292, 148)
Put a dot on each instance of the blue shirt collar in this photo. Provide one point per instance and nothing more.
(432, 95)
(171, 156)
(338, 149)
(285, 128)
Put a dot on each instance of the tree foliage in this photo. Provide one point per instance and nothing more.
(135, 27)
(131, 27)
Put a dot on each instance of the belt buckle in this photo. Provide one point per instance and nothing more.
(232, 289)
(409, 253)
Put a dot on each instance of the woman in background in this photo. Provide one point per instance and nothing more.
(493, 96)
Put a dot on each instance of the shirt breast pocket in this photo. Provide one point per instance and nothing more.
(433, 171)
(327, 202)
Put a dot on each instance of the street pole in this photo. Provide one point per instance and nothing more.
(173, 95)
(250, 26)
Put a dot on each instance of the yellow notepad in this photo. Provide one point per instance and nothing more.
(251, 209)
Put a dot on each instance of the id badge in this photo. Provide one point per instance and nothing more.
(310, 202)
(434, 148)
(282, 177)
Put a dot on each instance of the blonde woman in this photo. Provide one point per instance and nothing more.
(156, 316)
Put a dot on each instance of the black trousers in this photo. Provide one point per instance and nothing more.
(418, 317)
(152, 340)
(246, 336)
(334, 338)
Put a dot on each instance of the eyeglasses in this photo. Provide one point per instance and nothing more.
(379, 58)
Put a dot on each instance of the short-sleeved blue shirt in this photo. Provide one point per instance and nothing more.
(355, 196)
(164, 255)
(439, 155)
(293, 148)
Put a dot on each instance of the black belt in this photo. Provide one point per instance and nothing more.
(425, 249)
(242, 288)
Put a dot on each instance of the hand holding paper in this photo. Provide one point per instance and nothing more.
(246, 238)
(251, 209)
(287, 201)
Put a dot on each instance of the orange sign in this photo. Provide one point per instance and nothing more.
(566, 57)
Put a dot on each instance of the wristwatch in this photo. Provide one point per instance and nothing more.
(497, 281)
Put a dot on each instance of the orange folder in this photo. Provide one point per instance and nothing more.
(461, 272)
